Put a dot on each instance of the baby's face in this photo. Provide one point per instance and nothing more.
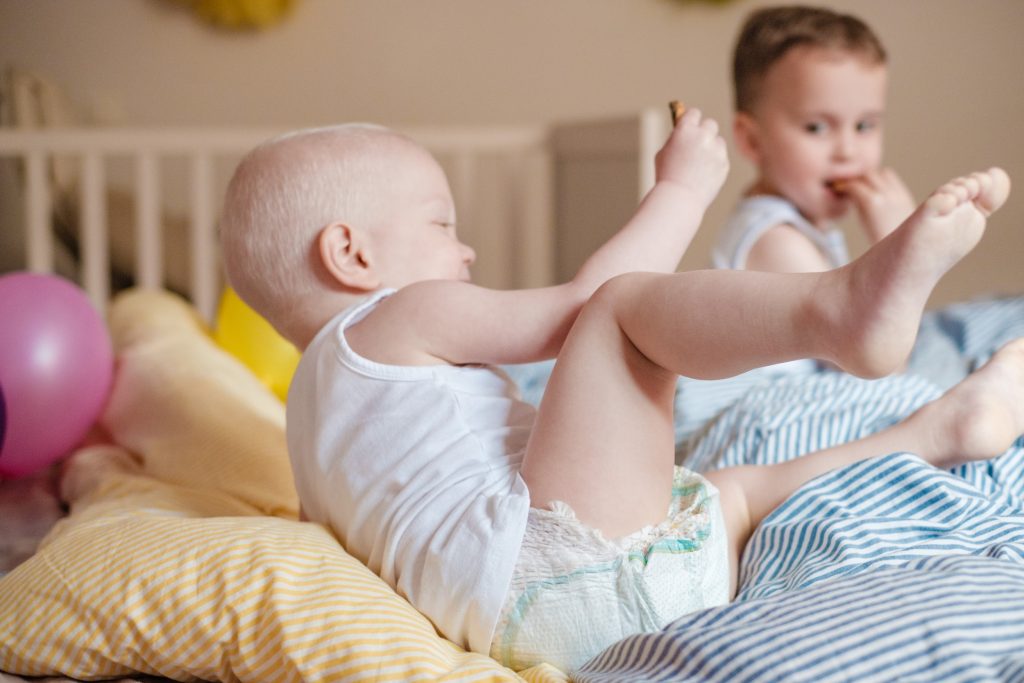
(819, 119)
(417, 240)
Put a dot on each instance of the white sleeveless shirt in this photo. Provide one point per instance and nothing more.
(416, 470)
(754, 216)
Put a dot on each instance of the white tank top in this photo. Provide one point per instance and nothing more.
(416, 470)
(756, 215)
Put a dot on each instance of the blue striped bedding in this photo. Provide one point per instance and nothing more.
(954, 618)
(884, 570)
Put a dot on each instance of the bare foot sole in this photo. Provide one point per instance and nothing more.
(981, 416)
(987, 190)
(889, 285)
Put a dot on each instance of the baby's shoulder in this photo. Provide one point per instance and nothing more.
(402, 327)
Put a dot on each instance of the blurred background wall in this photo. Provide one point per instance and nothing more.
(956, 100)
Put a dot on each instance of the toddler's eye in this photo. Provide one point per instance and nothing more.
(866, 126)
(815, 128)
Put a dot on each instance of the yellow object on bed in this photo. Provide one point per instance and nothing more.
(182, 557)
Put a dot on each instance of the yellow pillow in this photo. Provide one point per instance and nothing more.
(214, 598)
(169, 563)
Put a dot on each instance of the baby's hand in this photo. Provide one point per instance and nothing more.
(694, 157)
(882, 200)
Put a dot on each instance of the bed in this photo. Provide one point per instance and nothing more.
(168, 547)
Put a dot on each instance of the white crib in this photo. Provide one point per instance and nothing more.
(532, 200)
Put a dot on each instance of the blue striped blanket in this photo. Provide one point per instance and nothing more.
(885, 570)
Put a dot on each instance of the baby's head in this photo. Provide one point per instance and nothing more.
(810, 89)
(314, 218)
(770, 33)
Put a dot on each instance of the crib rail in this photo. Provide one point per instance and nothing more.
(517, 254)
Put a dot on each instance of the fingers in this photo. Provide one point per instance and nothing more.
(691, 123)
(694, 155)
(864, 185)
(693, 129)
(882, 184)
(710, 125)
(695, 117)
(874, 186)
(872, 181)
(882, 200)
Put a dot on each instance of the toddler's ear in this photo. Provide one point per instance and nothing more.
(344, 253)
(745, 135)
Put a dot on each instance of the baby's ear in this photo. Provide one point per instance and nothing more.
(745, 135)
(344, 253)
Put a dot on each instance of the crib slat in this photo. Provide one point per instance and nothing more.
(149, 271)
(204, 254)
(95, 274)
(462, 177)
(463, 172)
(653, 130)
(533, 209)
(39, 241)
(512, 249)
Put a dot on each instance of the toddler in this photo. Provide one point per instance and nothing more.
(810, 90)
(546, 535)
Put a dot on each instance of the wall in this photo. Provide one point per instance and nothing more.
(956, 103)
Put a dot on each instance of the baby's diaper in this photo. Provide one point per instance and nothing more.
(575, 592)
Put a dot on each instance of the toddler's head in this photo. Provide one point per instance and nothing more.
(314, 217)
(810, 96)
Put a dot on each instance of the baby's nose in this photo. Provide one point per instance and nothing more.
(845, 145)
(468, 254)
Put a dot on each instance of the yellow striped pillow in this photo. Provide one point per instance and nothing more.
(215, 598)
(170, 563)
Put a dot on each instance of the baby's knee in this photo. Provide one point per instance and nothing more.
(603, 307)
(620, 290)
(611, 303)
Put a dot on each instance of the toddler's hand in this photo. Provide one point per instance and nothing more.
(882, 201)
(694, 157)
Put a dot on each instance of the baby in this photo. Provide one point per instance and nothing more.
(810, 91)
(546, 535)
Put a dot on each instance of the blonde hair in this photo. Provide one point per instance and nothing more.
(769, 33)
(282, 194)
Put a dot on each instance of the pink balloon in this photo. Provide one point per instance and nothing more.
(3, 418)
(56, 368)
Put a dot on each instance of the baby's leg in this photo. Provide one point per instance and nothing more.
(603, 441)
(893, 280)
(862, 317)
(977, 419)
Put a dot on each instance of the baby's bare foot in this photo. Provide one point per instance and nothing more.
(980, 417)
(987, 191)
(887, 288)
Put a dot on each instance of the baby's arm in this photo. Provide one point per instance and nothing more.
(458, 323)
(689, 170)
(882, 201)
